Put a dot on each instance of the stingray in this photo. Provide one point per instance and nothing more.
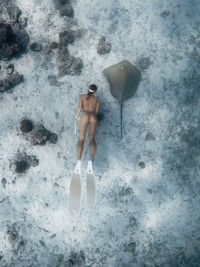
(123, 79)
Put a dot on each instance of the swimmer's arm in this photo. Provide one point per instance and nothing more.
(80, 106)
(97, 106)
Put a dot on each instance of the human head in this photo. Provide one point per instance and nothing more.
(92, 88)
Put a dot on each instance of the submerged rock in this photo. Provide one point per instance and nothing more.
(9, 68)
(21, 166)
(63, 54)
(66, 10)
(77, 259)
(37, 135)
(11, 81)
(3, 182)
(66, 37)
(150, 137)
(54, 45)
(130, 247)
(64, 7)
(165, 13)
(103, 46)
(67, 64)
(5, 30)
(14, 13)
(132, 221)
(24, 161)
(26, 125)
(53, 80)
(142, 165)
(35, 47)
(53, 138)
(12, 232)
(9, 71)
(17, 242)
(72, 66)
(13, 40)
(40, 135)
(23, 21)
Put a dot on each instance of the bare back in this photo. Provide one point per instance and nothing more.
(90, 104)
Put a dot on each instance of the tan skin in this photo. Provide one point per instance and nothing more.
(90, 108)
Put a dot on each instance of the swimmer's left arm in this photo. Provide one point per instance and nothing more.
(97, 106)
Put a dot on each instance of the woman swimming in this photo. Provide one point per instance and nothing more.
(89, 104)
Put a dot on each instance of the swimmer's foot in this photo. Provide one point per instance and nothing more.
(92, 160)
(90, 166)
(78, 167)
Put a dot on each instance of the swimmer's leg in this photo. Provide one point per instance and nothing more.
(93, 126)
(90, 180)
(83, 128)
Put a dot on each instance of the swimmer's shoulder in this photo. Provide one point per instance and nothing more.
(82, 96)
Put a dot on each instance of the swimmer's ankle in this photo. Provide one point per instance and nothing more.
(91, 159)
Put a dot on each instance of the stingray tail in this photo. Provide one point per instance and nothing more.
(121, 105)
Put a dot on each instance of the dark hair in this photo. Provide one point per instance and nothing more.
(94, 88)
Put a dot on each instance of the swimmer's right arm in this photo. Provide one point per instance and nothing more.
(80, 105)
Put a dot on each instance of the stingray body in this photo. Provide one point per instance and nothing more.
(123, 79)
